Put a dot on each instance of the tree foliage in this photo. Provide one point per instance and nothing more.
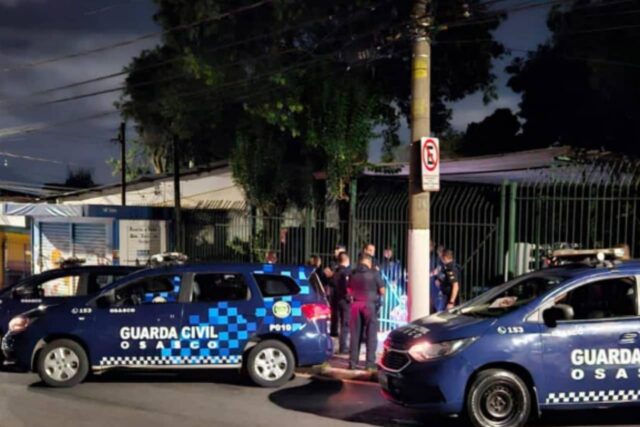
(80, 178)
(290, 87)
(582, 88)
(497, 133)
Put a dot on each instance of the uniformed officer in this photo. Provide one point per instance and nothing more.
(340, 281)
(328, 273)
(450, 285)
(437, 300)
(365, 290)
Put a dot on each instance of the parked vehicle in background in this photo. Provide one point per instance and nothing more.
(53, 286)
(264, 319)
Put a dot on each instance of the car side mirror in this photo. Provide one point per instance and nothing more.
(557, 313)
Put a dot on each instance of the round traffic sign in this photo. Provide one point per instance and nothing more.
(430, 155)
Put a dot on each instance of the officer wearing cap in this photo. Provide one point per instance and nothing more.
(450, 285)
(365, 290)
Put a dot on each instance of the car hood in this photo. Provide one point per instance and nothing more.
(439, 327)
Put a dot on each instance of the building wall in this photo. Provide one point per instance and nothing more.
(15, 256)
(202, 191)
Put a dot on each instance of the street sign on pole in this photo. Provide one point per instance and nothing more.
(430, 156)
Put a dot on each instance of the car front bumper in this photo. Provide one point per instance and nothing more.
(438, 386)
(15, 351)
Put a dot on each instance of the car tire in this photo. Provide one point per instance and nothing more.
(63, 363)
(270, 364)
(498, 398)
(1, 356)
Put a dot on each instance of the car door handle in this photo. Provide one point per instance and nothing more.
(629, 338)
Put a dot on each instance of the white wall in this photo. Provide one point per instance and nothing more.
(196, 192)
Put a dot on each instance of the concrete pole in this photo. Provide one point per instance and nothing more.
(122, 136)
(177, 205)
(419, 238)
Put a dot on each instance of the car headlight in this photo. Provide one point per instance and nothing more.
(426, 350)
(19, 324)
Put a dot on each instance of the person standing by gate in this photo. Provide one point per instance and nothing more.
(450, 285)
(365, 289)
(328, 273)
(340, 282)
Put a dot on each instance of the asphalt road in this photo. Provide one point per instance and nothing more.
(220, 399)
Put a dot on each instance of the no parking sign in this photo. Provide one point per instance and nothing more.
(430, 156)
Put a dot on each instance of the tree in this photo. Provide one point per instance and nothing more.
(301, 83)
(80, 178)
(582, 88)
(138, 162)
(497, 133)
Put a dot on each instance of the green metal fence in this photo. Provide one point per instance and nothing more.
(589, 206)
(494, 230)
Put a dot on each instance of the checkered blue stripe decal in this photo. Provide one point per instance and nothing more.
(232, 329)
(159, 361)
(593, 396)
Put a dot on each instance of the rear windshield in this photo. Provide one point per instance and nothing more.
(317, 285)
(276, 286)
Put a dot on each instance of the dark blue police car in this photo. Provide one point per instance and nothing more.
(52, 285)
(265, 319)
(561, 338)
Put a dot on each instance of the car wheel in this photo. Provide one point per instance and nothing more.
(63, 363)
(270, 363)
(498, 398)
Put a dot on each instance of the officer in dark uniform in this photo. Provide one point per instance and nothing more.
(365, 290)
(450, 285)
(340, 282)
(328, 273)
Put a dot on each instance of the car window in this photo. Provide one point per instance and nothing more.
(511, 296)
(98, 281)
(216, 287)
(160, 289)
(276, 286)
(602, 299)
(64, 286)
(317, 284)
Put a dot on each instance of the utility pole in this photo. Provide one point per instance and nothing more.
(419, 204)
(176, 196)
(122, 139)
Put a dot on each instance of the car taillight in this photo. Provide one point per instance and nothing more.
(18, 324)
(316, 311)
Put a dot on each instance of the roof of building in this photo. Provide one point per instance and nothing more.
(145, 181)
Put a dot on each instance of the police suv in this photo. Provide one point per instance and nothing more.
(560, 338)
(52, 285)
(264, 318)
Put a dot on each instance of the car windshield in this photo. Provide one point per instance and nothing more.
(511, 295)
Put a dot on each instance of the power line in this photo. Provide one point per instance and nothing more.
(108, 7)
(35, 159)
(251, 93)
(21, 130)
(138, 38)
(208, 50)
(176, 77)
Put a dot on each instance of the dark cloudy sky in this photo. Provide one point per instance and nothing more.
(34, 30)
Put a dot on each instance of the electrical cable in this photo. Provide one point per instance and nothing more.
(137, 39)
